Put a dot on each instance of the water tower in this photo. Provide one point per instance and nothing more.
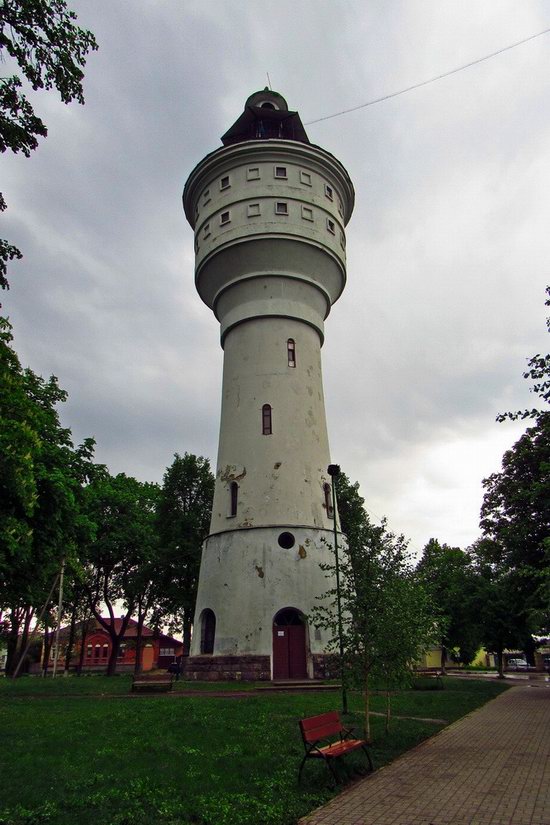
(268, 210)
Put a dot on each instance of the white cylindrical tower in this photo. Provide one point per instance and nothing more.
(269, 211)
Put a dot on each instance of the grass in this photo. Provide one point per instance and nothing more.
(79, 750)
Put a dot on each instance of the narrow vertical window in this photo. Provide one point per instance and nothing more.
(266, 420)
(328, 499)
(291, 351)
(208, 631)
(234, 497)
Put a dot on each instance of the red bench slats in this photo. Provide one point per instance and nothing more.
(317, 729)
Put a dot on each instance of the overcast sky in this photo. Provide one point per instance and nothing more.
(448, 247)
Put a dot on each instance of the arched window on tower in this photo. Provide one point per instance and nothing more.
(291, 352)
(208, 631)
(266, 420)
(233, 498)
(328, 499)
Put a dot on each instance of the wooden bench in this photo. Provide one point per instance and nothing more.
(431, 673)
(160, 683)
(317, 730)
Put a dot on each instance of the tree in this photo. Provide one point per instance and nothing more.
(122, 510)
(387, 621)
(40, 36)
(515, 515)
(183, 519)
(41, 481)
(451, 580)
(503, 618)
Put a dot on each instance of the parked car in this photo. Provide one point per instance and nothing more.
(518, 664)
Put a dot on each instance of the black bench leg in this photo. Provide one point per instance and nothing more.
(333, 772)
(301, 769)
(367, 754)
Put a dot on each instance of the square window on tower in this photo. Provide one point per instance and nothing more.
(253, 173)
(253, 210)
(225, 183)
(329, 192)
(225, 217)
(305, 177)
(281, 208)
(331, 226)
(280, 172)
(307, 213)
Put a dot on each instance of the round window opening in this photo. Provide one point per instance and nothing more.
(267, 105)
(286, 540)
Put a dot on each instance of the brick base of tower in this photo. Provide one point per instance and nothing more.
(227, 668)
(249, 668)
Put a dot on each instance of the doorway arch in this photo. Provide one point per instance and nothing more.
(289, 645)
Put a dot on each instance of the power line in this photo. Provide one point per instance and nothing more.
(431, 80)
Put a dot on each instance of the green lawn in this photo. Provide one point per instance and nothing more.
(81, 751)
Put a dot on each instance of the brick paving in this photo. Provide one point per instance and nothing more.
(490, 768)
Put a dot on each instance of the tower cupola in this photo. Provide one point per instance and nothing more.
(266, 117)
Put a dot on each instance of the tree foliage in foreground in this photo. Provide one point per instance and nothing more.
(50, 50)
(387, 619)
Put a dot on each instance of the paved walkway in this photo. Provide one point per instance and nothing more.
(492, 767)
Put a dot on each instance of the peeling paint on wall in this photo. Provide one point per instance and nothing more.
(260, 572)
(302, 551)
(231, 473)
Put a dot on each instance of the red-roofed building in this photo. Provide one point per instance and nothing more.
(158, 650)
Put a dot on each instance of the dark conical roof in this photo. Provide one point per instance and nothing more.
(266, 116)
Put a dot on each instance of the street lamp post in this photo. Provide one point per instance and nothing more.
(334, 470)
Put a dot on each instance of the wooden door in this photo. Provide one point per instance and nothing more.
(289, 652)
(297, 665)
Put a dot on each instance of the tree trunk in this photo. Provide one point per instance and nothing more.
(367, 708)
(388, 710)
(70, 643)
(13, 637)
(443, 659)
(138, 667)
(47, 647)
(29, 613)
(83, 636)
(113, 658)
(500, 663)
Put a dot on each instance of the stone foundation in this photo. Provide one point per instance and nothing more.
(325, 666)
(227, 668)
